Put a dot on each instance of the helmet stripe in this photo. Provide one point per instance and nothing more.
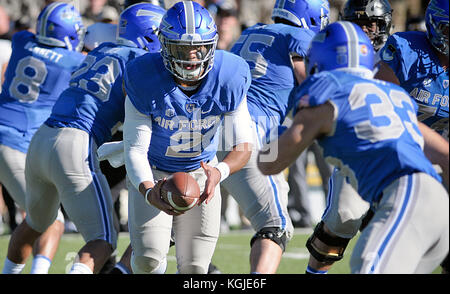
(46, 15)
(190, 17)
(352, 44)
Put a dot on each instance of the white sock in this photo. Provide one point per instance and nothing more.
(40, 264)
(12, 268)
(80, 268)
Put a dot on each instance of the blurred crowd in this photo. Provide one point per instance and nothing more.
(231, 15)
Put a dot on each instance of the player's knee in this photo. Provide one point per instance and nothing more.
(147, 265)
(275, 234)
(326, 247)
(192, 269)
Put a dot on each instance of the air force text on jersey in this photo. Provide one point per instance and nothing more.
(183, 123)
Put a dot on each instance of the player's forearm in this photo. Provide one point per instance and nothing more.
(279, 154)
(386, 73)
(137, 133)
(238, 157)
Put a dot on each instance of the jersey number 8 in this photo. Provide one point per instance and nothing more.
(29, 75)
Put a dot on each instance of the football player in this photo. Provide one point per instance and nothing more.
(409, 230)
(39, 70)
(346, 212)
(373, 16)
(62, 165)
(275, 55)
(418, 62)
(176, 102)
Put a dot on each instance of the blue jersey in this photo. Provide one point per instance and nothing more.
(376, 138)
(35, 77)
(94, 102)
(185, 129)
(268, 50)
(411, 57)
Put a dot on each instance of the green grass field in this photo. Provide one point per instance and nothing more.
(231, 255)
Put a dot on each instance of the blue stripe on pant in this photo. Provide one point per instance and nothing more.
(99, 192)
(404, 205)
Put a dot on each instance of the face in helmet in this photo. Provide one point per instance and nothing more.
(138, 26)
(188, 37)
(310, 14)
(373, 16)
(436, 20)
(340, 46)
(59, 25)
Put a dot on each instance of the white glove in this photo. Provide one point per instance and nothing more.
(113, 152)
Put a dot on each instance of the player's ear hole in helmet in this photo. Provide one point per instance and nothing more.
(188, 37)
(60, 25)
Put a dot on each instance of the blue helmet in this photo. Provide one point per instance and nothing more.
(59, 25)
(436, 20)
(138, 26)
(341, 45)
(127, 3)
(188, 28)
(310, 14)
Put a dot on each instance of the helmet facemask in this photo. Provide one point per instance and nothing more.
(376, 28)
(188, 60)
(373, 16)
(440, 37)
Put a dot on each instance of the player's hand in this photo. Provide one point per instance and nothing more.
(155, 199)
(212, 179)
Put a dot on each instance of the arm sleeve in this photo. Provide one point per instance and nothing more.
(238, 126)
(137, 132)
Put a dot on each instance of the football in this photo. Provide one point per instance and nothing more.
(181, 191)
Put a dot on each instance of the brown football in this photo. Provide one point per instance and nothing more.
(181, 191)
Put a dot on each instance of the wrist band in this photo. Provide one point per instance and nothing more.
(146, 196)
(224, 170)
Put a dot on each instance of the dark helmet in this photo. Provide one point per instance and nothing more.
(378, 11)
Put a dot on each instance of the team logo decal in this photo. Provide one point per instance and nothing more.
(364, 50)
(170, 112)
(190, 107)
(445, 84)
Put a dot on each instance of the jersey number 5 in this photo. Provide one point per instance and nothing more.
(260, 67)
